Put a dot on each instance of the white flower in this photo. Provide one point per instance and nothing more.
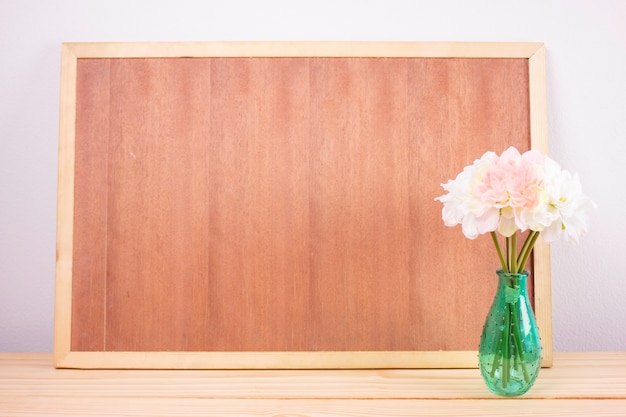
(566, 204)
(461, 206)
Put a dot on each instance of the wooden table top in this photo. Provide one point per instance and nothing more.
(580, 384)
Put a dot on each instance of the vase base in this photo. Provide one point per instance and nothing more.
(513, 389)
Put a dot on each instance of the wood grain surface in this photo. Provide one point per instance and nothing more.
(579, 384)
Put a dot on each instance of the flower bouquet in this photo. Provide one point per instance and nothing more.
(514, 195)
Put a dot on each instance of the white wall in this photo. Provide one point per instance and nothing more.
(586, 69)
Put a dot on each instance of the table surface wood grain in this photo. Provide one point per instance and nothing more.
(579, 384)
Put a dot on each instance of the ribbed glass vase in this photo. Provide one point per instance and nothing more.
(510, 348)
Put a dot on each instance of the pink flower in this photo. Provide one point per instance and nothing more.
(512, 183)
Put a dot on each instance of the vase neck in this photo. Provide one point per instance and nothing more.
(511, 279)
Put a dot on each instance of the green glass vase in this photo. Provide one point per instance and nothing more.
(510, 348)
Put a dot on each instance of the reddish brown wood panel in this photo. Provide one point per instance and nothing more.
(283, 204)
(258, 208)
(90, 201)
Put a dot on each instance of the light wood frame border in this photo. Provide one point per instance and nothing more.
(71, 52)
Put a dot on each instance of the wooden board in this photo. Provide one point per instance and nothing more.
(271, 205)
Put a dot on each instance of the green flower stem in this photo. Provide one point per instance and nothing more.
(499, 250)
(513, 264)
(496, 359)
(500, 356)
(508, 254)
(517, 339)
(527, 250)
(505, 349)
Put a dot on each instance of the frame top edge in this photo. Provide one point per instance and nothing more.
(399, 49)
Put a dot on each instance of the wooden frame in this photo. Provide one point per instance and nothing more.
(72, 193)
